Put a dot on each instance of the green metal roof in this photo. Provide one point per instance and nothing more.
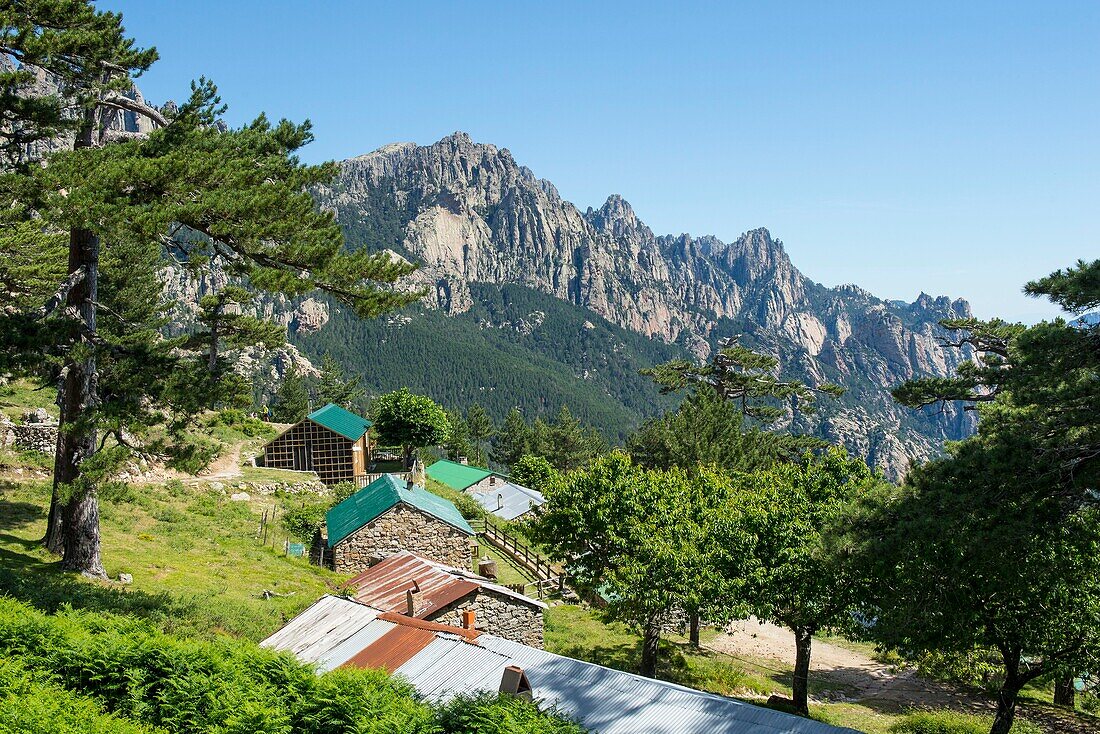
(456, 476)
(347, 424)
(379, 496)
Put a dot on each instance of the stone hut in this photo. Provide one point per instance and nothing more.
(463, 477)
(331, 441)
(388, 516)
(407, 584)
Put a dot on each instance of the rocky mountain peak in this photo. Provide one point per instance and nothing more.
(470, 214)
(616, 217)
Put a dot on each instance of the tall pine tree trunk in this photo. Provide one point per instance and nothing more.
(77, 439)
(651, 641)
(55, 535)
(803, 640)
(1007, 696)
(74, 511)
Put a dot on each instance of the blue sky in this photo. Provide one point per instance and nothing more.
(946, 147)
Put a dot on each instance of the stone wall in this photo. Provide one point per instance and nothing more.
(498, 615)
(31, 437)
(402, 528)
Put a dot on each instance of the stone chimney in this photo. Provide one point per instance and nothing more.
(514, 681)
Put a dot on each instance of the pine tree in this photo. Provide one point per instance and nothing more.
(244, 191)
(566, 444)
(457, 445)
(512, 440)
(291, 402)
(333, 386)
(480, 427)
(225, 325)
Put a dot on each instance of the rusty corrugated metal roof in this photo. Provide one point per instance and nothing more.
(383, 585)
(393, 649)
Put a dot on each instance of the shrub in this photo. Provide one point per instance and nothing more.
(468, 507)
(30, 705)
(342, 491)
(240, 422)
(302, 521)
(489, 713)
(954, 722)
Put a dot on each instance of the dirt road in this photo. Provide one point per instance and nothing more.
(856, 675)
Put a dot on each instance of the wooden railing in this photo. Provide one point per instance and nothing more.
(363, 480)
(546, 577)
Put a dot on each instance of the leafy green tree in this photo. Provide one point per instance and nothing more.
(534, 472)
(410, 421)
(457, 444)
(976, 553)
(512, 440)
(291, 403)
(805, 576)
(481, 428)
(636, 535)
(333, 386)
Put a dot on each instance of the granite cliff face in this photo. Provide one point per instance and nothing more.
(471, 215)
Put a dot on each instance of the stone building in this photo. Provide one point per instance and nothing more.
(463, 477)
(407, 584)
(388, 516)
(333, 442)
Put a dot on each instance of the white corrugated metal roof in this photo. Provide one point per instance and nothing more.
(334, 630)
(613, 702)
(450, 666)
(325, 625)
(507, 500)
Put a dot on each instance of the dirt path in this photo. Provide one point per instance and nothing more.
(226, 466)
(858, 676)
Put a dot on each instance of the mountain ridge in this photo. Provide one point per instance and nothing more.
(470, 214)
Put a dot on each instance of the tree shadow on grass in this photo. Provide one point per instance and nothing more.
(15, 514)
(29, 574)
(624, 656)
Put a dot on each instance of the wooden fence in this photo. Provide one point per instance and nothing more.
(364, 479)
(546, 577)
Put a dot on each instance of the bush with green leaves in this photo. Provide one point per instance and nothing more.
(953, 722)
(30, 704)
(304, 519)
(497, 713)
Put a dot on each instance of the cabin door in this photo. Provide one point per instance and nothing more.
(303, 457)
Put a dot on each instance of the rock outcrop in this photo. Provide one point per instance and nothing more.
(469, 213)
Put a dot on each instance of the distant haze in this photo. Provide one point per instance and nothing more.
(943, 147)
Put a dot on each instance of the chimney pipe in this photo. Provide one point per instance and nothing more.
(514, 681)
(411, 595)
(469, 618)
